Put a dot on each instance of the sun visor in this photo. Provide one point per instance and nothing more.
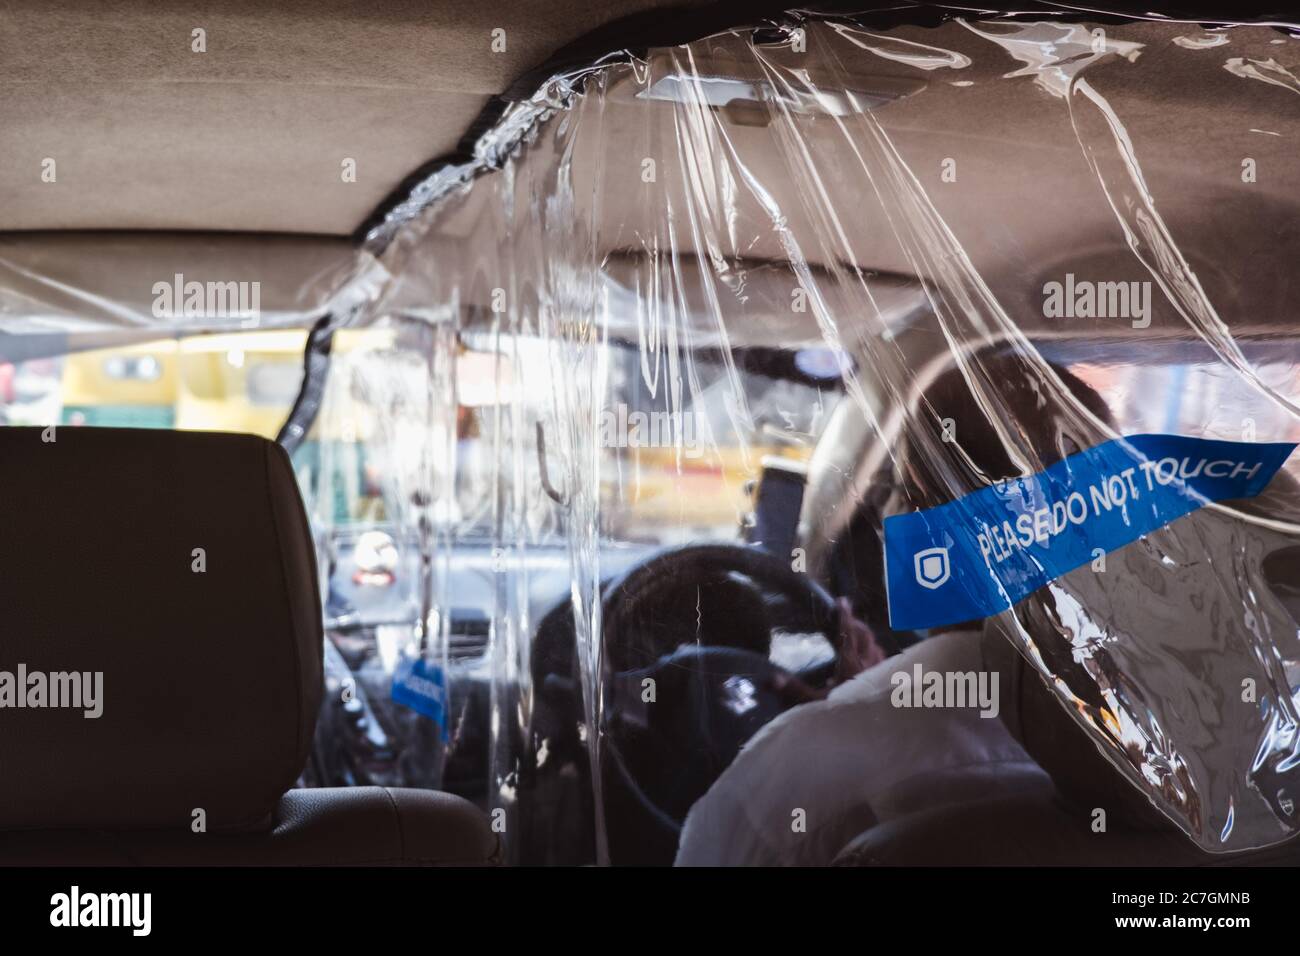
(90, 282)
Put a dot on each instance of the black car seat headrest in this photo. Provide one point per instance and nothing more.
(160, 663)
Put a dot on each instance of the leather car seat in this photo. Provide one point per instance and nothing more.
(174, 575)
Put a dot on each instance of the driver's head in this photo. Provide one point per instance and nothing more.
(998, 417)
(995, 418)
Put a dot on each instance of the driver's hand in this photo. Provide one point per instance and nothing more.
(858, 651)
(858, 647)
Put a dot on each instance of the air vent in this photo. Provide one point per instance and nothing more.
(469, 634)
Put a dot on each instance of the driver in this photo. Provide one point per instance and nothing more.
(817, 776)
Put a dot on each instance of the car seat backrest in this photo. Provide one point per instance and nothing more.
(160, 658)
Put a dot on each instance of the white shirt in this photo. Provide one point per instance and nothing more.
(821, 773)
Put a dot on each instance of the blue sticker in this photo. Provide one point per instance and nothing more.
(979, 555)
(422, 686)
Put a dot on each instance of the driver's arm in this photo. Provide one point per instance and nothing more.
(859, 648)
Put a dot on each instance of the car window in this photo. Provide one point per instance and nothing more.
(671, 477)
(232, 382)
(1199, 398)
(666, 476)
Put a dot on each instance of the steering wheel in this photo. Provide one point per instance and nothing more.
(682, 703)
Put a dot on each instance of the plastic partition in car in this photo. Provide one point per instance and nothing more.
(978, 321)
(954, 270)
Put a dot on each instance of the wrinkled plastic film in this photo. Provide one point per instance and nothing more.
(853, 267)
(670, 215)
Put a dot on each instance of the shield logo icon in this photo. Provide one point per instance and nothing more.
(932, 568)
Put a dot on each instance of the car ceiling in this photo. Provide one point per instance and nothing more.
(250, 136)
(1026, 206)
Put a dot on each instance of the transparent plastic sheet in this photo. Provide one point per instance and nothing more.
(818, 248)
(688, 229)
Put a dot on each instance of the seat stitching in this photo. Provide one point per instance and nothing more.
(401, 836)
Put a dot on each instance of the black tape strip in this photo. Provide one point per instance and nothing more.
(315, 370)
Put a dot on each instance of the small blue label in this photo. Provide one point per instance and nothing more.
(979, 555)
(422, 686)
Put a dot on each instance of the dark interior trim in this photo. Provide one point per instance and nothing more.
(311, 394)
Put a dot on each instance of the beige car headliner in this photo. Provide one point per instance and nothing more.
(248, 138)
(1026, 204)
(251, 135)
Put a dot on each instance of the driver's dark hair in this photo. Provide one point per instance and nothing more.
(999, 417)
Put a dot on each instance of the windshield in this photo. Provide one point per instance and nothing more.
(666, 476)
